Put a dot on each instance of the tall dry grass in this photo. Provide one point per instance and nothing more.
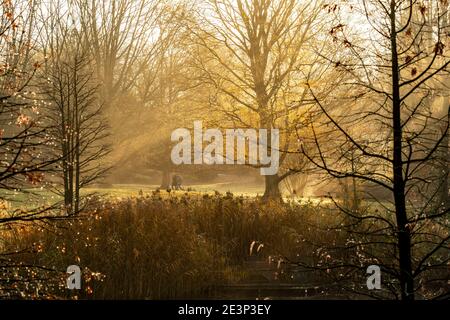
(185, 246)
(161, 248)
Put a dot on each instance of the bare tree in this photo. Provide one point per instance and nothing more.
(257, 62)
(24, 139)
(388, 75)
(164, 84)
(27, 160)
(77, 123)
(120, 36)
(169, 91)
(73, 111)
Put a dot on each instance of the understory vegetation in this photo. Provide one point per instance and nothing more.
(178, 246)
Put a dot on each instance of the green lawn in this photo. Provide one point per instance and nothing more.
(35, 197)
(32, 198)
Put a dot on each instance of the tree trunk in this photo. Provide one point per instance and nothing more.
(77, 140)
(444, 200)
(404, 236)
(165, 183)
(445, 152)
(272, 191)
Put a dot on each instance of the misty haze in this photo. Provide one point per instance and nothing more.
(224, 149)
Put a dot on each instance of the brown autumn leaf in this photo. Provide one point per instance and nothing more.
(408, 59)
(23, 120)
(34, 177)
(337, 28)
(439, 48)
(347, 44)
(422, 9)
(414, 71)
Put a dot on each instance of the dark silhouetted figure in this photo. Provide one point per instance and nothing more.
(176, 182)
